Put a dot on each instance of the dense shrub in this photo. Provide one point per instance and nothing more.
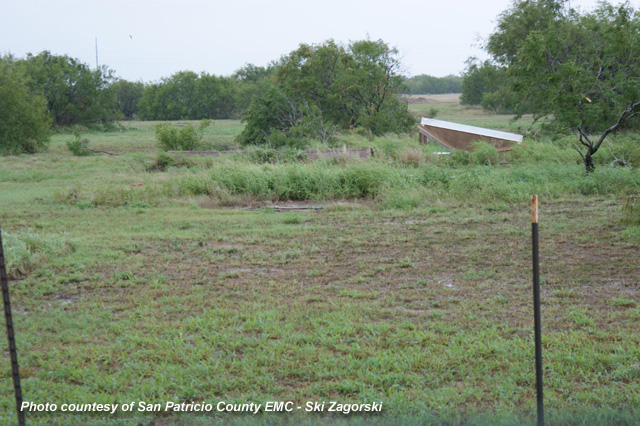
(173, 138)
(164, 161)
(78, 146)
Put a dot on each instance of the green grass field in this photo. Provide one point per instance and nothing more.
(411, 287)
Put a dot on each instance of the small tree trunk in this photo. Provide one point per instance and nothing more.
(588, 161)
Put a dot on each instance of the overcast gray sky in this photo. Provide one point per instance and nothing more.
(147, 40)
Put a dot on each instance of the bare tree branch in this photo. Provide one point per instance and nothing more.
(624, 117)
(618, 161)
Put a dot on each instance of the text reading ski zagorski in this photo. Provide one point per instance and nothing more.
(221, 407)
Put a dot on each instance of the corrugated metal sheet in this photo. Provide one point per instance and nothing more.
(460, 136)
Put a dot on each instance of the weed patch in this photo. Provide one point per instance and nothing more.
(27, 249)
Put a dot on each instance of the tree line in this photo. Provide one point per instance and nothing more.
(424, 84)
(76, 94)
(326, 86)
(43, 92)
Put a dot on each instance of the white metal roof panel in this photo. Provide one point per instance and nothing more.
(471, 129)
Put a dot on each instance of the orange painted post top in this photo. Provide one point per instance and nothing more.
(534, 209)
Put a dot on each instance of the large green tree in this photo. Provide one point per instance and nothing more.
(75, 93)
(581, 69)
(25, 125)
(317, 87)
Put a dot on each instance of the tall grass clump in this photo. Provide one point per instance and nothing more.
(606, 181)
(512, 184)
(532, 151)
(410, 156)
(262, 155)
(518, 182)
(296, 182)
(27, 249)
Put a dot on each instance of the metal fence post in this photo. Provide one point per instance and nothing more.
(10, 334)
(536, 308)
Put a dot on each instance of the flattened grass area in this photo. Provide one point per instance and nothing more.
(415, 292)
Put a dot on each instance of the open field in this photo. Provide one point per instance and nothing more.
(411, 287)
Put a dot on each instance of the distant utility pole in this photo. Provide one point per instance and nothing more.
(97, 65)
